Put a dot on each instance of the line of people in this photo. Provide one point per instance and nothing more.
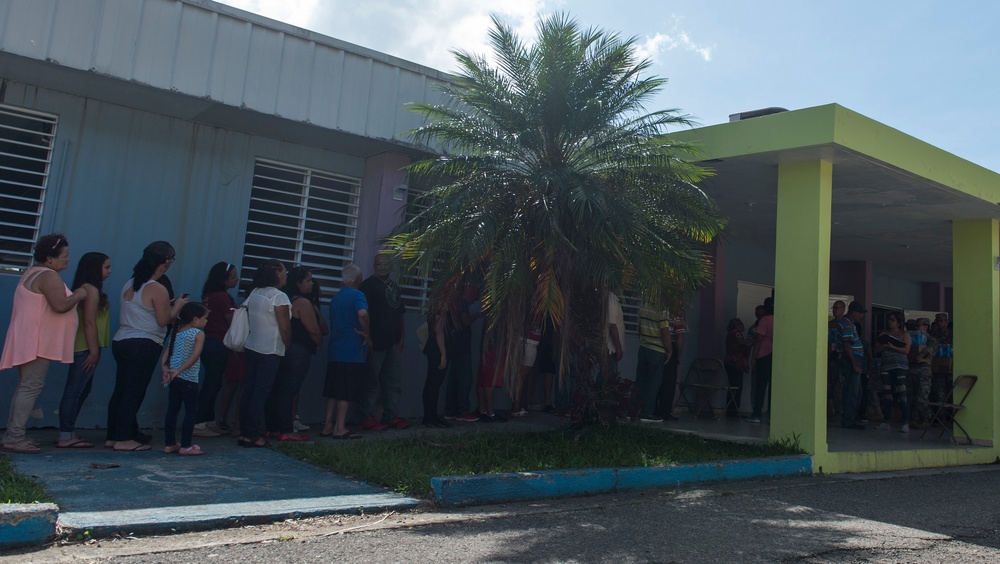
(51, 322)
(907, 364)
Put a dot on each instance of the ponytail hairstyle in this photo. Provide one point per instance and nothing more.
(187, 314)
(155, 254)
(217, 276)
(90, 270)
(295, 276)
(317, 292)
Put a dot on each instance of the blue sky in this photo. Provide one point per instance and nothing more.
(927, 68)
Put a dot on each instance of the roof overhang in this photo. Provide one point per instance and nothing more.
(131, 94)
(894, 196)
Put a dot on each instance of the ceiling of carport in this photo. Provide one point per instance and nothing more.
(897, 220)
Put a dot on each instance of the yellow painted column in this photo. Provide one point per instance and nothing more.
(976, 323)
(801, 290)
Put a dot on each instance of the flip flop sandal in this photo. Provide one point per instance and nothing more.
(347, 436)
(172, 449)
(193, 450)
(21, 447)
(137, 448)
(76, 443)
(252, 444)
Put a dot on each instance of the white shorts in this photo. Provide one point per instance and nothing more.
(530, 352)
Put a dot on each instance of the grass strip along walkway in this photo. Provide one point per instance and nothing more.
(18, 488)
(407, 464)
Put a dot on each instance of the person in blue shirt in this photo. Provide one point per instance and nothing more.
(347, 353)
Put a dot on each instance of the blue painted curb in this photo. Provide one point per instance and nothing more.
(23, 524)
(457, 491)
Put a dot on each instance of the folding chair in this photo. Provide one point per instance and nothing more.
(943, 412)
(707, 376)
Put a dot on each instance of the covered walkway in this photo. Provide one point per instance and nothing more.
(838, 196)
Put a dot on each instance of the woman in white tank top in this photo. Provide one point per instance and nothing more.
(146, 310)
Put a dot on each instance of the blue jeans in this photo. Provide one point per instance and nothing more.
(278, 415)
(136, 360)
(180, 392)
(78, 383)
(852, 390)
(262, 370)
(385, 377)
(648, 378)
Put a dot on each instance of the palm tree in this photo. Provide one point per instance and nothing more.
(555, 188)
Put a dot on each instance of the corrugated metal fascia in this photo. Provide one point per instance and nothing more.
(319, 38)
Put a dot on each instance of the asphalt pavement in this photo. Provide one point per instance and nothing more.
(946, 515)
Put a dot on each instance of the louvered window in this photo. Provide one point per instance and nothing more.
(414, 288)
(301, 217)
(25, 158)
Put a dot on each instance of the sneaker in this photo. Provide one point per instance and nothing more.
(298, 426)
(882, 427)
(483, 418)
(470, 417)
(498, 419)
(905, 428)
(753, 419)
(436, 423)
(650, 419)
(671, 418)
(370, 424)
(398, 423)
(202, 430)
(519, 413)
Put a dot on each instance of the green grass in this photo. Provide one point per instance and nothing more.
(18, 488)
(407, 464)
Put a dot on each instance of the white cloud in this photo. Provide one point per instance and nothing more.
(653, 47)
(422, 31)
(298, 13)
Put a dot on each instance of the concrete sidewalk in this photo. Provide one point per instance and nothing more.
(151, 492)
(143, 492)
(106, 492)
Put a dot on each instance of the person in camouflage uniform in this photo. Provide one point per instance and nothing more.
(834, 372)
(923, 347)
(941, 362)
(871, 386)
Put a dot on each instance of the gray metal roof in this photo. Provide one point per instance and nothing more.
(221, 56)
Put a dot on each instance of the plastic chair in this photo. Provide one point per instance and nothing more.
(943, 412)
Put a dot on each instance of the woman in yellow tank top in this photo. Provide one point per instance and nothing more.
(93, 334)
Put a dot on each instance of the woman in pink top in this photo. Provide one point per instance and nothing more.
(42, 329)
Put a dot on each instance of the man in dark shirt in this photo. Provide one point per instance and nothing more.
(385, 310)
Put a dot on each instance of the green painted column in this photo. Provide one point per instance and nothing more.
(801, 289)
(976, 323)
